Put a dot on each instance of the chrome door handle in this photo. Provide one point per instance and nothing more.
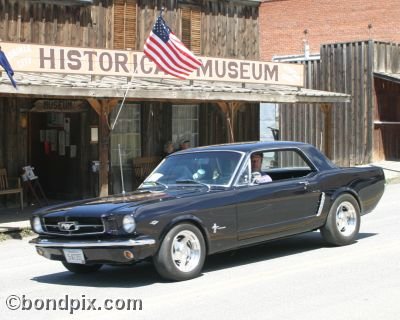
(304, 183)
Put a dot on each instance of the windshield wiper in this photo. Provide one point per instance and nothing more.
(193, 181)
(155, 183)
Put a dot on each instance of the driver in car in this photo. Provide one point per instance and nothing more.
(258, 175)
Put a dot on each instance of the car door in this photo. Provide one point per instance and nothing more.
(282, 205)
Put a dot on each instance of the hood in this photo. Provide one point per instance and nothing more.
(118, 203)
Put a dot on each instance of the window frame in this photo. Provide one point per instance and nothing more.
(137, 132)
(247, 163)
(179, 135)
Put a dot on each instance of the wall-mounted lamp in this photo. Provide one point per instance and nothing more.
(23, 120)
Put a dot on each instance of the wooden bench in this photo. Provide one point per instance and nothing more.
(143, 166)
(5, 188)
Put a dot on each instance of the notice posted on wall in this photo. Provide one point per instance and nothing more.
(72, 150)
(61, 143)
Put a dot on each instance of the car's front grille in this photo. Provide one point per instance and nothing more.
(73, 225)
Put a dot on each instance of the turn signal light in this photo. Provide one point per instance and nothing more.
(128, 255)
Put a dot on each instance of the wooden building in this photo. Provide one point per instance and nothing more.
(362, 131)
(60, 122)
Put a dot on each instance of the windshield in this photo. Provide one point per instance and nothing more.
(212, 168)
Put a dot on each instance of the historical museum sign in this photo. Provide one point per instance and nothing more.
(42, 58)
(59, 106)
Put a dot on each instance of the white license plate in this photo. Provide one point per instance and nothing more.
(74, 256)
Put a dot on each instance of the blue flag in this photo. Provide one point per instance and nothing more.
(6, 65)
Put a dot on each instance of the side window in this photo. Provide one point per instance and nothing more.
(185, 124)
(285, 164)
(269, 166)
(284, 159)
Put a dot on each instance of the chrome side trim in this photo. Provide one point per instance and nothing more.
(321, 204)
(89, 244)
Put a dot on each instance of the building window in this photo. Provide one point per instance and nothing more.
(191, 28)
(185, 124)
(125, 21)
(126, 133)
(269, 122)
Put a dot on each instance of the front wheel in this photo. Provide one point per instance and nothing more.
(81, 268)
(343, 222)
(182, 253)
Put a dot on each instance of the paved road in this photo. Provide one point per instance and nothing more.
(296, 278)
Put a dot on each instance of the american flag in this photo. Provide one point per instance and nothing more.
(168, 52)
(6, 65)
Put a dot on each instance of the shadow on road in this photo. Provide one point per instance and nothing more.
(270, 250)
(144, 273)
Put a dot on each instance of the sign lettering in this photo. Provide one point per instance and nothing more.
(64, 60)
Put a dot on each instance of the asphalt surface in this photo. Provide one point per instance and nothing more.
(296, 278)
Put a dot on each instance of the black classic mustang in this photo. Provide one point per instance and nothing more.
(211, 199)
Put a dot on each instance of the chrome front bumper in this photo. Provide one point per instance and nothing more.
(91, 243)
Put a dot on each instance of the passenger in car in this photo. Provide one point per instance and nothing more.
(168, 149)
(258, 176)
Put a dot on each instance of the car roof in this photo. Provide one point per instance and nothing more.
(247, 146)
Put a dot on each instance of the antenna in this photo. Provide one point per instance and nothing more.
(120, 167)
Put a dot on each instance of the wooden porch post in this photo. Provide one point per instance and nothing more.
(328, 136)
(229, 109)
(103, 109)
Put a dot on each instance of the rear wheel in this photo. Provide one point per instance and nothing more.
(343, 222)
(81, 268)
(182, 253)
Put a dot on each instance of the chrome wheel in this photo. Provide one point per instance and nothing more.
(182, 253)
(346, 218)
(186, 251)
(343, 221)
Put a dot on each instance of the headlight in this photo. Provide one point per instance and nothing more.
(37, 225)
(128, 223)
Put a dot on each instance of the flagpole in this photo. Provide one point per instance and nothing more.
(120, 168)
(129, 85)
(123, 100)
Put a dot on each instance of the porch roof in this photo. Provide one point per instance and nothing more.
(394, 77)
(82, 86)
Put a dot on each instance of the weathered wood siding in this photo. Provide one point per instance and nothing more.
(45, 23)
(347, 68)
(228, 29)
(213, 125)
(386, 57)
(13, 138)
(304, 122)
(387, 108)
(156, 127)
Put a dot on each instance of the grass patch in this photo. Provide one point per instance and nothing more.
(26, 232)
(17, 234)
